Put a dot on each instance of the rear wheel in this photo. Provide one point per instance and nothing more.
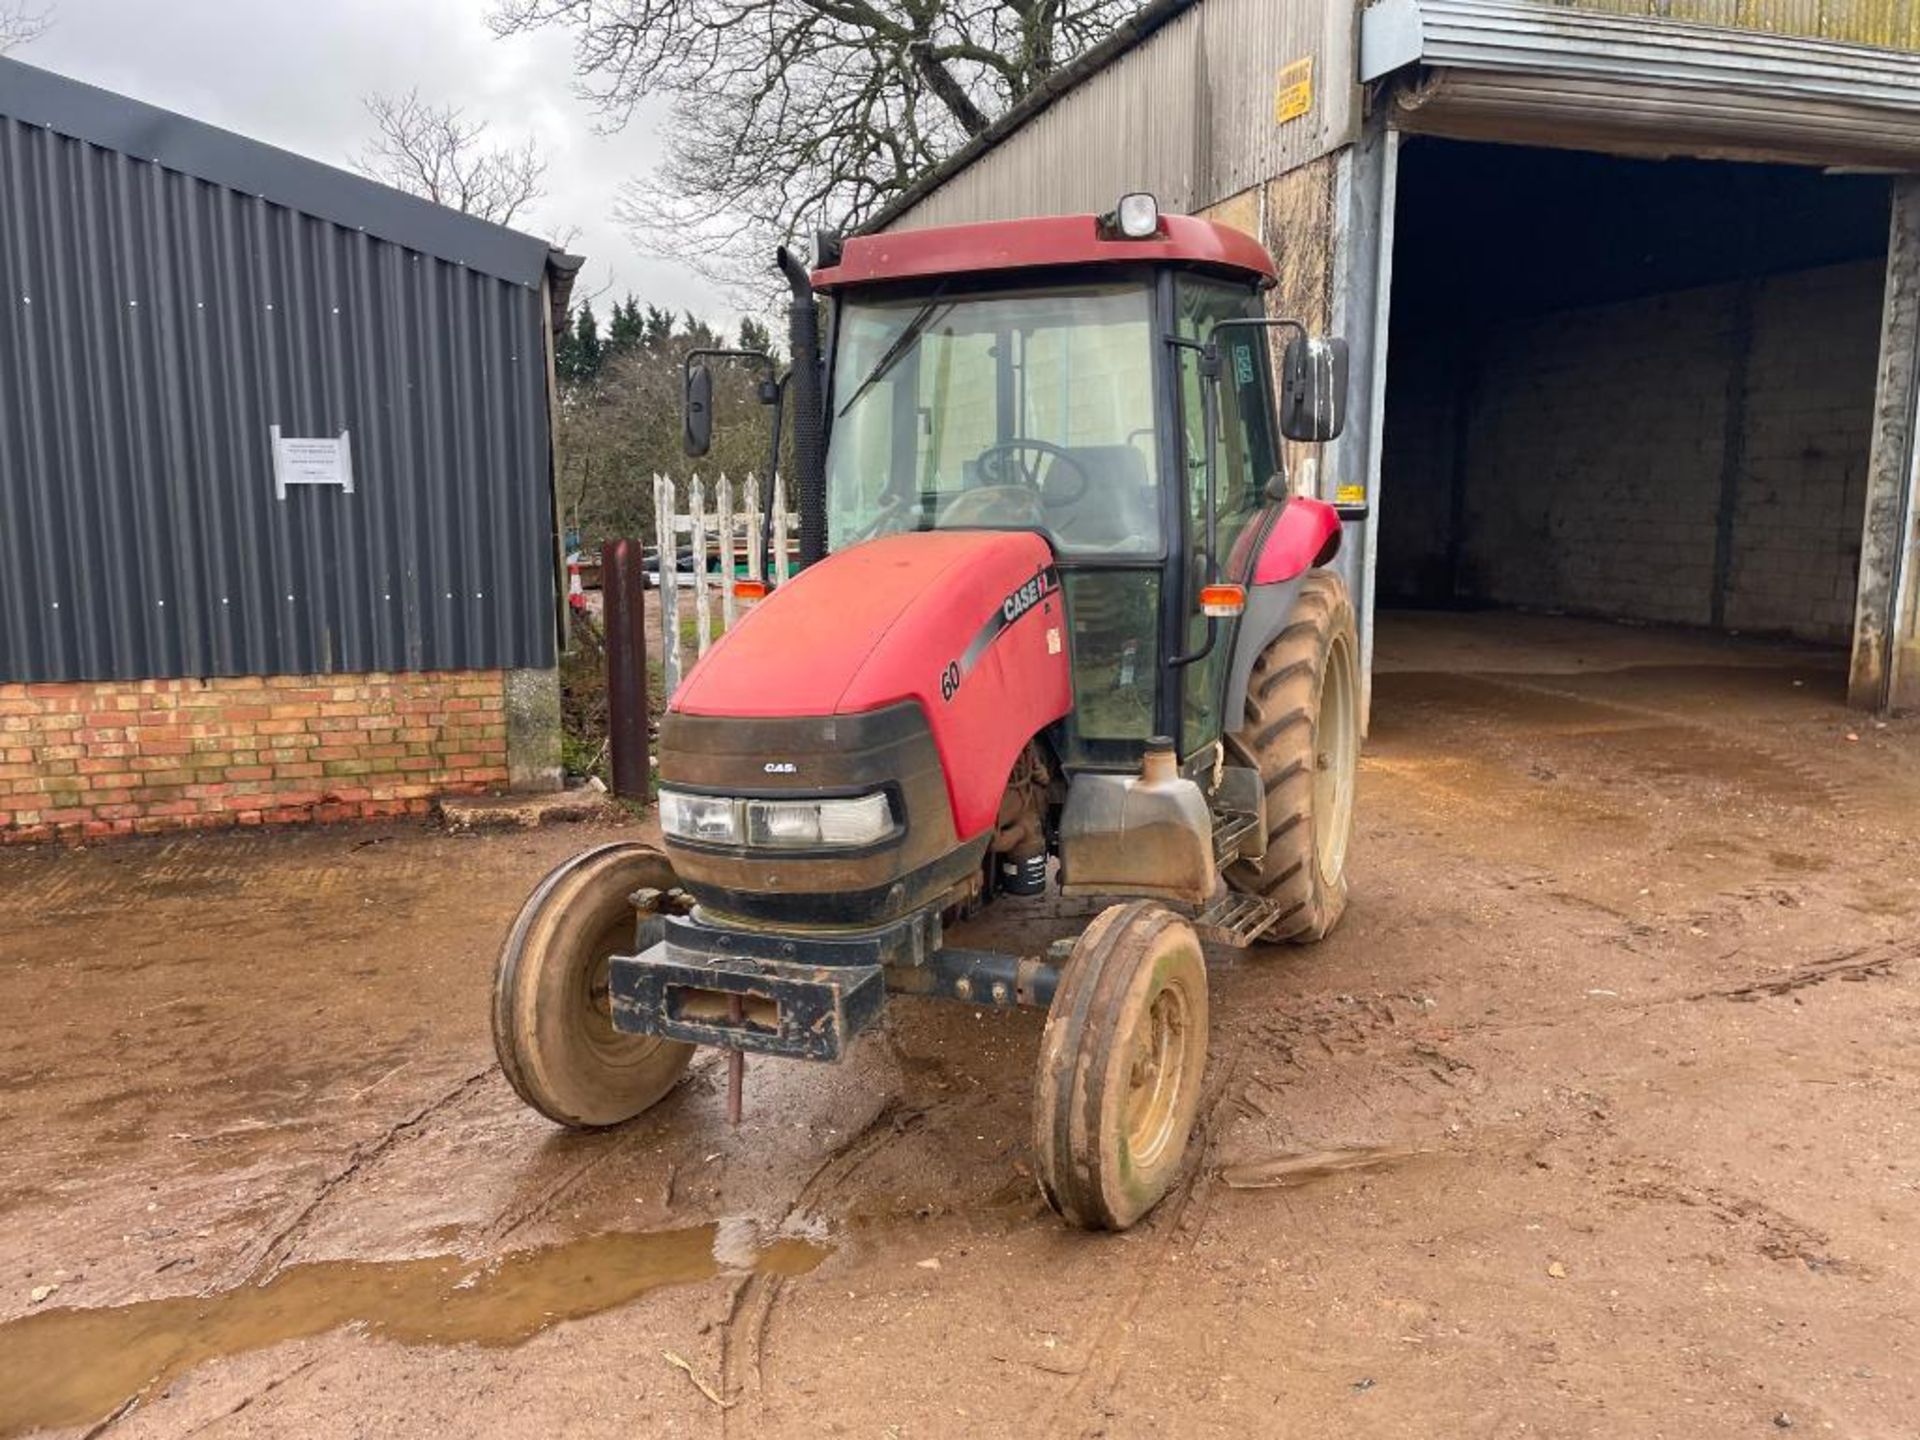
(1120, 1066)
(1302, 729)
(552, 1017)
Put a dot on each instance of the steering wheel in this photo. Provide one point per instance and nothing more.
(986, 458)
(892, 507)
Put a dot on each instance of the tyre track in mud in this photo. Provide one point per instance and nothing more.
(1181, 1215)
(269, 1254)
(1836, 799)
(1305, 1038)
(750, 1306)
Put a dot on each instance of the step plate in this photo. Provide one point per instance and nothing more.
(1230, 831)
(1238, 920)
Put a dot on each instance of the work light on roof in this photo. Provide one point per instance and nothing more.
(1137, 216)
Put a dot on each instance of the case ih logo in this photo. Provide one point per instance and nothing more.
(1011, 609)
(1029, 595)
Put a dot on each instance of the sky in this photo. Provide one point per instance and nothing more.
(293, 73)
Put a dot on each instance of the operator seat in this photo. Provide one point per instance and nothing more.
(1119, 510)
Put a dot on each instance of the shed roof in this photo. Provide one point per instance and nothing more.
(1530, 73)
(115, 122)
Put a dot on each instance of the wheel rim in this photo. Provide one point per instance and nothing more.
(1158, 1061)
(1335, 740)
(592, 1015)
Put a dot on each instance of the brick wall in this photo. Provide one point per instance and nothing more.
(95, 759)
(1596, 448)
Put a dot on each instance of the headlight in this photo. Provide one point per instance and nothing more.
(713, 818)
(818, 822)
(776, 824)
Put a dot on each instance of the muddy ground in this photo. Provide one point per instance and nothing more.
(1617, 1053)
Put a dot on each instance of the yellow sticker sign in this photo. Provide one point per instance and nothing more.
(1350, 495)
(1294, 97)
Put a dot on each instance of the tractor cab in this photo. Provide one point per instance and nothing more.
(1059, 622)
(1052, 376)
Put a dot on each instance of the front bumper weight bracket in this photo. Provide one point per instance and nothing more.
(764, 1006)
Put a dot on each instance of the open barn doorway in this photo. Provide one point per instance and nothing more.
(1626, 390)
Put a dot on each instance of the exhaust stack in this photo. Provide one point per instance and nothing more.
(809, 424)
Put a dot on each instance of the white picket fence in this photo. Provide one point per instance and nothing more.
(729, 529)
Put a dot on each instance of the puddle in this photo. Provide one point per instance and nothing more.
(70, 1367)
(1279, 1170)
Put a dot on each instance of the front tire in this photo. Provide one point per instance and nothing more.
(552, 1021)
(1302, 730)
(1120, 1067)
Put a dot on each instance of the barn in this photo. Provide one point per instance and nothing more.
(279, 535)
(1632, 289)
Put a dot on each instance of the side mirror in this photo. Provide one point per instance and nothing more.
(697, 436)
(1313, 388)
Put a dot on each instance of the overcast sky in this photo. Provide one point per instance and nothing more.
(292, 73)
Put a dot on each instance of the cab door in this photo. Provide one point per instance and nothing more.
(1244, 461)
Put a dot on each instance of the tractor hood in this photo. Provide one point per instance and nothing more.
(867, 626)
(968, 625)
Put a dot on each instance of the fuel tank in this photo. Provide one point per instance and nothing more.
(921, 663)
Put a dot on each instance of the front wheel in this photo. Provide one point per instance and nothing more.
(552, 1017)
(1120, 1066)
(1302, 729)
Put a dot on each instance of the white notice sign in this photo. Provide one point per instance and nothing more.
(311, 461)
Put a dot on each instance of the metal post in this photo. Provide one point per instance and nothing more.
(736, 1064)
(624, 585)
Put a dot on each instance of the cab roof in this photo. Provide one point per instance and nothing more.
(1045, 241)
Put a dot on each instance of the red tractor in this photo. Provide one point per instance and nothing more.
(1059, 616)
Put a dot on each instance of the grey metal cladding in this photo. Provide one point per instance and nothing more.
(1183, 104)
(153, 326)
(146, 132)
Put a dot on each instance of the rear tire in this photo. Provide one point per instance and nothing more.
(1120, 1066)
(1302, 730)
(552, 1024)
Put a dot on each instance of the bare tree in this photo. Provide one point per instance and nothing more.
(435, 152)
(789, 114)
(21, 21)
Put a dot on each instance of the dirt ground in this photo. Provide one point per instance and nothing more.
(1615, 1062)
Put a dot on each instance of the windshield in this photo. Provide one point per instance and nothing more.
(1024, 410)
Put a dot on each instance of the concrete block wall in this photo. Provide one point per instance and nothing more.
(98, 759)
(1593, 459)
(1600, 442)
(1803, 483)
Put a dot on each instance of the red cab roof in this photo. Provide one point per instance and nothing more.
(1047, 240)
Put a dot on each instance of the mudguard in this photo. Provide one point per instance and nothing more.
(969, 624)
(1305, 535)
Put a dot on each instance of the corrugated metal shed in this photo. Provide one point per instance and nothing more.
(1892, 23)
(1194, 102)
(1530, 73)
(169, 292)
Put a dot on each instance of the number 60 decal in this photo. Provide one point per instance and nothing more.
(950, 680)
